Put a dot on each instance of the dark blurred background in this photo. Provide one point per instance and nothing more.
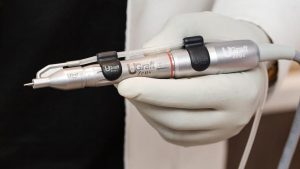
(50, 128)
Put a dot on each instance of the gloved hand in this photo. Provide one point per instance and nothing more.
(205, 109)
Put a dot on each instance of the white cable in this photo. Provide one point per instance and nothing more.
(151, 50)
(291, 143)
(270, 52)
(294, 135)
(254, 128)
(297, 57)
(275, 52)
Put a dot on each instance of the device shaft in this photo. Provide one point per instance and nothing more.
(215, 58)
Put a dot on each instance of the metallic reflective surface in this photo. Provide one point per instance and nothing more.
(225, 57)
(155, 66)
(232, 56)
(183, 67)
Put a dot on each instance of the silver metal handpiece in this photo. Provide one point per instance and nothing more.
(195, 58)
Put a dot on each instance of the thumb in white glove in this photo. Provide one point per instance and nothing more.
(205, 109)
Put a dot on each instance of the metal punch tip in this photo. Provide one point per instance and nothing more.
(28, 84)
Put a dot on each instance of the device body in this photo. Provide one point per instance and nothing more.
(194, 59)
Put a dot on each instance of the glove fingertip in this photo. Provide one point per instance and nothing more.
(128, 89)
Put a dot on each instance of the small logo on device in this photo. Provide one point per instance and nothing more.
(141, 69)
(235, 52)
(73, 75)
(111, 68)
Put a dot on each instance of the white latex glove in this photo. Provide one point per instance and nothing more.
(205, 109)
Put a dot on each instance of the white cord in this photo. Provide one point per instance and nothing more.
(270, 52)
(254, 128)
(150, 50)
(274, 52)
(294, 135)
(291, 144)
(297, 57)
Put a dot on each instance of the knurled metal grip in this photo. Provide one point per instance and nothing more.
(199, 55)
(110, 65)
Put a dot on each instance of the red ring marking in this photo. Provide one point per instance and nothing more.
(172, 65)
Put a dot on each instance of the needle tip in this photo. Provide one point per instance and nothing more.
(28, 84)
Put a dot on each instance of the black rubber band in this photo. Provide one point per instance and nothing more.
(110, 65)
(199, 55)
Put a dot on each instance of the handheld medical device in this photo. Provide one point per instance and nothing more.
(191, 58)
